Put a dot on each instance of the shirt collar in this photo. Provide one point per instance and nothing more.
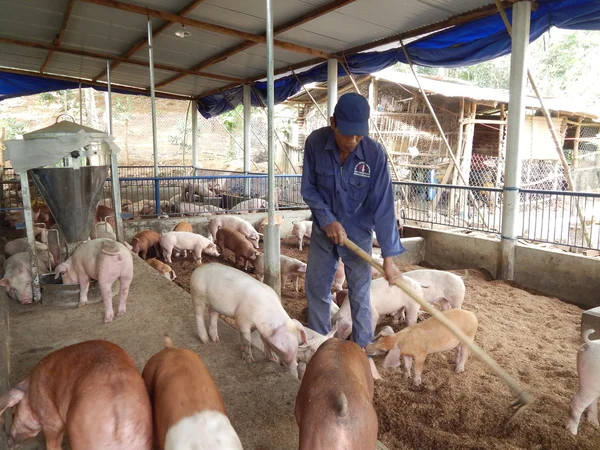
(358, 151)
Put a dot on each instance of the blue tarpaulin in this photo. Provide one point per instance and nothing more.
(471, 43)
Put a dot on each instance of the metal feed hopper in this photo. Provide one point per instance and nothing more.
(72, 185)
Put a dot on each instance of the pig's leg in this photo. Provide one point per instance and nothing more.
(445, 304)
(407, 365)
(185, 253)
(212, 331)
(199, 306)
(271, 356)
(296, 284)
(300, 245)
(144, 254)
(412, 313)
(53, 439)
(592, 413)
(581, 400)
(419, 363)
(84, 286)
(399, 315)
(464, 355)
(166, 251)
(124, 284)
(106, 291)
(245, 330)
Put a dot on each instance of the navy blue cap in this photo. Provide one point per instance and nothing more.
(351, 114)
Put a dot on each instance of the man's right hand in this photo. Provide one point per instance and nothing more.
(336, 233)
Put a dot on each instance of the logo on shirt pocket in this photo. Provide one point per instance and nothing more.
(362, 169)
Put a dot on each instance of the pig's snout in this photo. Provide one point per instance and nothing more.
(373, 350)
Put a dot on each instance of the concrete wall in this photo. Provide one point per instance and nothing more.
(570, 277)
(4, 362)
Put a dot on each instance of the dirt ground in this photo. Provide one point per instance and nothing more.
(534, 337)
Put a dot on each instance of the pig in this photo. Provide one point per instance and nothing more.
(265, 221)
(103, 230)
(187, 208)
(339, 297)
(104, 214)
(233, 293)
(18, 278)
(306, 351)
(183, 240)
(301, 230)
(425, 338)
(385, 299)
(290, 267)
(162, 268)
(192, 190)
(337, 415)
(188, 409)
(183, 226)
(339, 277)
(252, 205)
(235, 223)
(214, 209)
(103, 260)
(92, 391)
(379, 260)
(445, 287)
(145, 240)
(586, 397)
(237, 243)
(21, 245)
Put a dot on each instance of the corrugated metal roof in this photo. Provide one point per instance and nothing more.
(104, 30)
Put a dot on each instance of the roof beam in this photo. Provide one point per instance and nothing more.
(105, 57)
(59, 36)
(94, 83)
(134, 48)
(457, 20)
(278, 30)
(207, 26)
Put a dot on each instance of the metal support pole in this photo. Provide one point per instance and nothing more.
(35, 275)
(515, 123)
(195, 164)
(332, 86)
(114, 165)
(80, 105)
(272, 250)
(247, 136)
(153, 107)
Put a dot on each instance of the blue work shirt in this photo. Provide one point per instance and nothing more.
(358, 194)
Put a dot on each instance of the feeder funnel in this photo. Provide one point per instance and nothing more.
(72, 185)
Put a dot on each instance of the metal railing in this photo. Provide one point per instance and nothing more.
(171, 171)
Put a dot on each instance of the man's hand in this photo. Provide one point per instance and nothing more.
(391, 271)
(336, 233)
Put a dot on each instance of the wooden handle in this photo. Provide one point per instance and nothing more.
(524, 397)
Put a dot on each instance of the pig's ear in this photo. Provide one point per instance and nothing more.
(301, 330)
(173, 276)
(10, 399)
(392, 359)
(61, 269)
(261, 235)
(302, 269)
(332, 332)
(5, 282)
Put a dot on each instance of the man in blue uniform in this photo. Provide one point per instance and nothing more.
(347, 185)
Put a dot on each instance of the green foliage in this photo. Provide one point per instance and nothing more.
(13, 127)
(232, 119)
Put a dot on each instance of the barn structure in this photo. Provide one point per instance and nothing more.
(215, 53)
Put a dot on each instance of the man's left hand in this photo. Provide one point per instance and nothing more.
(391, 271)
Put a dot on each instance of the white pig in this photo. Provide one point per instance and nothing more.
(235, 223)
(445, 287)
(20, 245)
(301, 230)
(252, 205)
(192, 208)
(290, 267)
(184, 240)
(385, 299)
(233, 293)
(339, 278)
(103, 260)
(17, 276)
(588, 370)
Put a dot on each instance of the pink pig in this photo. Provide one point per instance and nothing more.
(106, 261)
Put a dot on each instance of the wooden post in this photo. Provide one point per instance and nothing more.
(470, 132)
(459, 144)
(576, 144)
(500, 147)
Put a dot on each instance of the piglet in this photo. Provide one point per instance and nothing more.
(445, 287)
(427, 337)
(233, 293)
(235, 223)
(145, 240)
(237, 243)
(183, 240)
(301, 230)
(164, 269)
(586, 397)
(339, 278)
(188, 409)
(290, 267)
(334, 406)
(106, 261)
(92, 391)
(265, 221)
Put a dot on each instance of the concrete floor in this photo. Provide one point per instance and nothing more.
(259, 397)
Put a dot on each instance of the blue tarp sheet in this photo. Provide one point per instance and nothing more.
(471, 43)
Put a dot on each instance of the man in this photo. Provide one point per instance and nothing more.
(347, 185)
